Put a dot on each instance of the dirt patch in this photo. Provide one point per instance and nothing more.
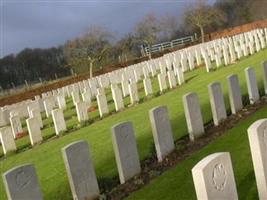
(151, 168)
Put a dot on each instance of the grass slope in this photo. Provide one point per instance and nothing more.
(47, 156)
(177, 183)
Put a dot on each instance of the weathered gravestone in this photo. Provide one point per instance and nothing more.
(48, 105)
(3, 121)
(217, 102)
(59, 121)
(257, 134)
(162, 131)
(253, 90)
(36, 113)
(61, 102)
(75, 97)
(193, 115)
(117, 98)
(34, 130)
(21, 183)
(148, 86)
(86, 95)
(214, 178)
(7, 140)
(102, 104)
(81, 110)
(234, 93)
(80, 171)
(16, 125)
(133, 93)
(162, 82)
(171, 78)
(180, 75)
(125, 88)
(125, 149)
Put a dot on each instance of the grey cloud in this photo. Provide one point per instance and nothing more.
(46, 23)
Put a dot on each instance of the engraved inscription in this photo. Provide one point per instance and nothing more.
(219, 177)
(22, 179)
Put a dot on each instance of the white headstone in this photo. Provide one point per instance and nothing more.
(162, 82)
(36, 114)
(193, 115)
(125, 149)
(125, 88)
(171, 78)
(7, 140)
(217, 103)
(234, 93)
(162, 131)
(21, 183)
(102, 104)
(257, 134)
(75, 97)
(59, 121)
(61, 102)
(253, 90)
(133, 93)
(81, 110)
(147, 86)
(15, 125)
(214, 178)
(117, 98)
(34, 130)
(80, 170)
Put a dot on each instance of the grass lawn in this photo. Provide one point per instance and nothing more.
(177, 183)
(47, 156)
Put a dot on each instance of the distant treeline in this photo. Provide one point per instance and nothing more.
(32, 65)
(99, 47)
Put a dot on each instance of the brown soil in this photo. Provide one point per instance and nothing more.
(151, 168)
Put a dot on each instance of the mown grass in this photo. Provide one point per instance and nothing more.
(47, 156)
(177, 183)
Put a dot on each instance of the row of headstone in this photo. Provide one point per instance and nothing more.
(191, 103)
(214, 178)
(34, 125)
(172, 63)
(79, 165)
(192, 109)
(169, 66)
(224, 50)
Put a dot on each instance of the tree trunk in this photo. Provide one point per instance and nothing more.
(91, 69)
(202, 34)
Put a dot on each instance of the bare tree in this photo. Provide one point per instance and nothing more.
(202, 16)
(88, 50)
(168, 27)
(147, 29)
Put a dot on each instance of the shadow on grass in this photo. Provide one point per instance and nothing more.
(245, 186)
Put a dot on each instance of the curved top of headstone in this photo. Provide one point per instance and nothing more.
(210, 160)
(22, 183)
(231, 75)
(249, 68)
(214, 178)
(121, 125)
(258, 126)
(189, 95)
(158, 108)
(215, 83)
(74, 145)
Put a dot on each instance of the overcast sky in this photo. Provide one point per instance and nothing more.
(47, 23)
